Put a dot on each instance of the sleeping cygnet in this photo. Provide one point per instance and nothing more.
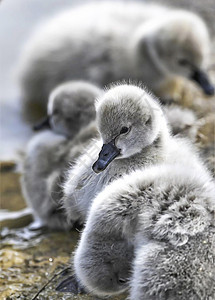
(70, 109)
(133, 132)
(115, 41)
(158, 221)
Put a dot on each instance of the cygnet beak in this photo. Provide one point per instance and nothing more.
(202, 79)
(42, 124)
(107, 154)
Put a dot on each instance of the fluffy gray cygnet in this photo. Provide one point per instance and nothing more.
(133, 130)
(169, 202)
(109, 41)
(152, 232)
(70, 109)
(134, 133)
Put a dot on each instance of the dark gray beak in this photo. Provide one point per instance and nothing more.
(106, 156)
(44, 123)
(202, 79)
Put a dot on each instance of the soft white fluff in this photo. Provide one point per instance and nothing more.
(182, 121)
(70, 111)
(158, 221)
(120, 106)
(108, 41)
(148, 142)
(71, 107)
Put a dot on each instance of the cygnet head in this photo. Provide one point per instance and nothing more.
(129, 119)
(70, 108)
(176, 45)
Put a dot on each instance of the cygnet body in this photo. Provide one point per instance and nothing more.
(153, 232)
(104, 42)
(70, 114)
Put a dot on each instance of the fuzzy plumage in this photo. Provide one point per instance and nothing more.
(70, 109)
(145, 143)
(105, 42)
(164, 216)
(182, 121)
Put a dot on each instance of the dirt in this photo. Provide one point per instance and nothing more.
(29, 259)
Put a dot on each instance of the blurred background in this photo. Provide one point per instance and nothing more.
(18, 20)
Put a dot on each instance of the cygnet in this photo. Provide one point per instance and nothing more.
(70, 109)
(109, 41)
(153, 232)
(133, 132)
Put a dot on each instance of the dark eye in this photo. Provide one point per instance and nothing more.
(68, 119)
(183, 62)
(124, 130)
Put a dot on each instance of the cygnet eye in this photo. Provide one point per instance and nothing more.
(124, 130)
(183, 62)
(69, 119)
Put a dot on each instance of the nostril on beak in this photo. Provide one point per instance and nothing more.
(122, 280)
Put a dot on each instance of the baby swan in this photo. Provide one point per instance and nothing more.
(163, 43)
(160, 219)
(127, 213)
(70, 109)
(133, 132)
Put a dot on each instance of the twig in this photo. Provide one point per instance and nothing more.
(45, 285)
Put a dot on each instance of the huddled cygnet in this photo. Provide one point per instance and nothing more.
(153, 227)
(70, 120)
(152, 232)
(70, 108)
(109, 41)
(133, 130)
